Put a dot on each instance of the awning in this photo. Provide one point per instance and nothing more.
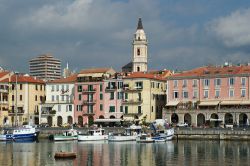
(230, 102)
(209, 103)
(245, 102)
(47, 105)
(108, 120)
(172, 103)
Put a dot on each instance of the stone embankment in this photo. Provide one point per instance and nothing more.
(180, 133)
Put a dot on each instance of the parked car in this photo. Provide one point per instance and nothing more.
(182, 124)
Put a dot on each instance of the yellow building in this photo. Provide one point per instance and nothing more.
(30, 92)
(144, 96)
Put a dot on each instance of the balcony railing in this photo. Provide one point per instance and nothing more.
(111, 88)
(135, 101)
(87, 113)
(88, 90)
(88, 102)
(12, 112)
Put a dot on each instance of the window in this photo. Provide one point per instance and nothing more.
(138, 68)
(175, 95)
(139, 96)
(79, 88)
(126, 95)
(139, 110)
(139, 85)
(243, 81)
(112, 95)
(121, 108)
(231, 93)
(70, 107)
(52, 98)
(62, 87)
(59, 108)
(90, 109)
(90, 88)
(13, 87)
(195, 95)
(52, 88)
(100, 87)
(62, 97)
(175, 83)
(41, 87)
(126, 109)
(120, 85)
(90, 97)
(79, 97)
(101, 107)
(57, 87)
(206, 93)
(152, 84)
(243, 92)
(21, 97)
(79, 107)
(217, 94)
(57, 97)
(101, 96)
(231, 81)
(111, 108)
(206, 82)
(67, 87)
(195, 83)
(21, 86)
(185, 94)
(184, 83)
(35, 97)
(138, 51)
(217, 82)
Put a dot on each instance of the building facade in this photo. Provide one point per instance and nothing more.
(211, 95)
(58, 109)
(144, 96)
(45, 67)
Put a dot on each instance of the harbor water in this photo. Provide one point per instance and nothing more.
(183, 152)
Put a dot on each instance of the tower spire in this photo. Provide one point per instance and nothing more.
(139, 26)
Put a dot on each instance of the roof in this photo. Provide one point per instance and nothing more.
(145, 75)
(213, 71)
(69, 79)
(4, 73)
(139, 26)
(94, 70)
(23, 79)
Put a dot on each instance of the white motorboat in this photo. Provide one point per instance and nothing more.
(162, 130)
(93, 135)
(130, 134)
(67, 135)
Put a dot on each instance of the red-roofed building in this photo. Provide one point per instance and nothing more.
(209, 94)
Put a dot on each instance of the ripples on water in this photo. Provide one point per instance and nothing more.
(127, 153)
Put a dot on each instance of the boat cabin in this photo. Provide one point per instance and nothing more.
(96, 132)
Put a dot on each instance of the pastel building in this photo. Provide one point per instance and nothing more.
(25, 93)
(90, 93)
(144, 96)
(58, 108)
(210, 94)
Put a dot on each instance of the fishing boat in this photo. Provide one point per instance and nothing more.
(93, 135)
(23, 133)
(145, 138)
(67, 135)
(130, 134)
(162, 131)
(65, 155)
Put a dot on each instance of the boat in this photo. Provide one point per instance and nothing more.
(130, 134)
(162, 131)
(67, 135)
(145, 138)
(23, 133)
(65, 155)
(93, 135)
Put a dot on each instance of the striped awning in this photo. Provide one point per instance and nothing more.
(209, 103)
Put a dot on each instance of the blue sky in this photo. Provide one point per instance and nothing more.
(182, 34)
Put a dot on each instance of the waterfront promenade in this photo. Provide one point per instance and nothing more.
(237, 133)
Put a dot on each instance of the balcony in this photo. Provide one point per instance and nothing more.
(48, 112)
(89, 102)
(88, 113)
(13, 113)
(110, 89)
(88, 90)
(130, 89)
(4, 102)
(133, 101)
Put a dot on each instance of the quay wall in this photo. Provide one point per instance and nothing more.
(180, 133)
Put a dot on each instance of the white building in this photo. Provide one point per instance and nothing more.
(58, 110)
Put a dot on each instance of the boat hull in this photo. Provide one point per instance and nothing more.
(92, 137)
(114, 138)
(64, 138)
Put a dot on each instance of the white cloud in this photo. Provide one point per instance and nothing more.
(233, 30)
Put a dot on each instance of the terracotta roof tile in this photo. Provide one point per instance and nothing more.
(4, 73)
(70, 79)
(145, 75)
(23, 79)
(94, 70)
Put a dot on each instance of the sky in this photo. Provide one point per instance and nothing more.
(182, 34)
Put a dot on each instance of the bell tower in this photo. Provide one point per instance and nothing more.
(140, 49)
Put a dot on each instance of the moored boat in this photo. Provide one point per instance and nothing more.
(130, 134)
(93, 135)
(162, 130)
(145, 138)
(67, 135)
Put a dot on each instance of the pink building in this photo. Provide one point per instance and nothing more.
(96, 96)
(219, 94)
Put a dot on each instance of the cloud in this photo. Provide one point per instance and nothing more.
(233, 30)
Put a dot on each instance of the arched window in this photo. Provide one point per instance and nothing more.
(138, 69)
(138, 51)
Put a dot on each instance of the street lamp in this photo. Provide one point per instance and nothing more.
(16, 119)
